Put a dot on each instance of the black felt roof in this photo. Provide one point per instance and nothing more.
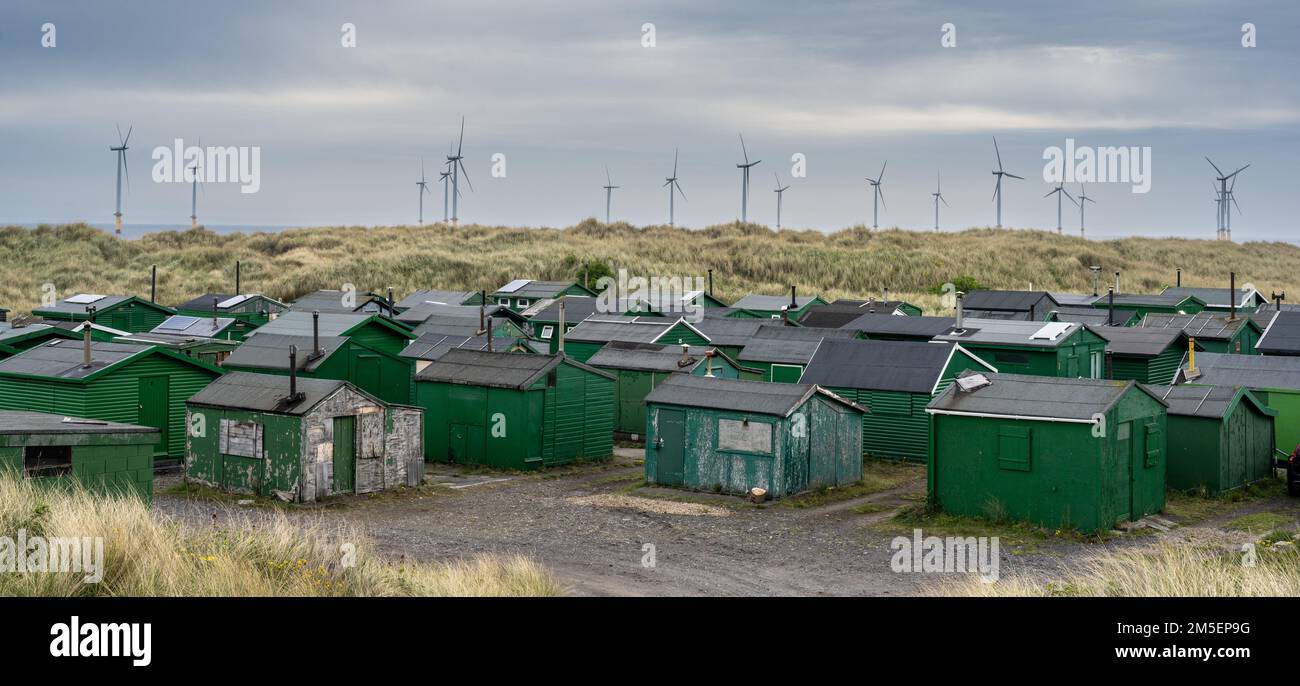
(894, 325)
(1034, 396)
(1282, 336)
(1136, 341)
(1251, 371)
(18, 422)
(501, 370)
(908, 366)
(1203, 401)
(63, 358)
(265, 393)
(758, 397)
(271, 351)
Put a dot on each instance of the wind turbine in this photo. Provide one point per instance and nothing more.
(121, 167)
(744, 181)
(779, 190)
(997, 190)
(1226, 199)
(938, 195)
(457, 165)
(1083, 198)
(609, 192)
(671, 183)
(445, 178)
(1059, 191)
(877, 195)
(424, 188)
(194, 190)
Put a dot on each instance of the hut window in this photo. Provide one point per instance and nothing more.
(1011, 358)
(241, 439)
(547, 332)
(1013, 448)
(745, 436)
(504, 302)
(47, 460)
(521, 302)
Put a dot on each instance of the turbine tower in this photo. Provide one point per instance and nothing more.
(938, 195)
(457, 165)
(999, 172)
(671, 184)
(194, 190)
(877, 195)
(121, 168)
(1083, 199)
(744, 180)
(779, 190)
(445, 178)
(1059, 191)
(1226, 200)
(423, 187)
(609, 192)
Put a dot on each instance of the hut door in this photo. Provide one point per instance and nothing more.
(670, 446)
(345, 454)
(1124, 453)
(153, 408)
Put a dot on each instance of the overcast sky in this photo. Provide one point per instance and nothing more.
(563, 88)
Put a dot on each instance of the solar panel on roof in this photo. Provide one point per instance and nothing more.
(85, 298)
(971, 382)
(231, 302)
(178, 323)
(1051, 331)
(515, 285)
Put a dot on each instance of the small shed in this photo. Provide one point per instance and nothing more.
(380, 373)
(895, 380)
(1282, 337)
(521, 294)
(123, 312)
(780, 360)
(1273, 380)
(1246, 300)
(1063, 349)
(731, 436)
(1031, 306)
(467, 319)
(1214, 331)
(1143, 304)
(249, 310)
(205, 338)
(342, 302)
(1087, 453)
(1141, 354)
(300, 439)
(1220, 437)
(431, 346)
(515, 410)
(129, 384)
(17, 337)
(594, 332)
(378, 332)
(791, 306)
(1092, 316)
(106, 457)
(841, 312)
(544, 316)
(639, 367)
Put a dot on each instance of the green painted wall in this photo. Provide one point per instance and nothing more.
(1071, 359)
(1286, 425)
(1153, 370)
(132, 316)
(632, 387)
(773, 372)
(1220, 455)
(281, 441)
(381, 374)
(111, 463)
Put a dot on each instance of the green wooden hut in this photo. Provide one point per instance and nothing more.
(895, 380)
(129, 384)
(1141, 354)
(1274, 381)
(1246, 300)
(731, 436)
(123, 312)
(1214, 331)
(1063, 349)
(515, 410)
(300, 439)
(639, 367)
(776, 306)
(105, 457)
(378, 332)
(521, 294)
(1144, 304)
(1220, 437)
(423, 296)
(380, 373)
(1028, 306)
(887, 327)
(15, 339)
(779, 360)
(1033, 448)
(840, 312)
(595, 332)
(544, 316)
(248, 310)
(204, 338)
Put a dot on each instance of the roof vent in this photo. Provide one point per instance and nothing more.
(971, 382)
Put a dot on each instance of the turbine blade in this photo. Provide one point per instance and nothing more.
(461, 145)
(1212, 164)
(882, 171)
(128, 135)
(742, 148)
(1238, 171)
(607, 179)
(1071, 197)
(945, 202)
(1014, 176)
(678, 186)
(882, 197)
(1234, 204)
(1050, 192)
(998, 152)
(675, 162)
(465, 174)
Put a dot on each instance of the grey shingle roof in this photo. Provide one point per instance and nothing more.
(576, 309)
(431, 346)
(1251, 371)
(1011, 332)
(1282, 336)
(1217, 297)
(271, 351)
(63, 358)
(535, 289)
(1093, 316)
(421, 297)
(908, 366)
(770, 302)
(603, 329)
(101, 304)
(299, 323)
(250, 302)
(779, 350)
(265, 393)
(1137, 341)
(647, 357)
(515, 371)
(1044, 397)
(330, 301)
(842, 312)
(1009, 301)
(1203, 401)
(894, 325)
(758, 397)
(1211, 325)
(19, 422)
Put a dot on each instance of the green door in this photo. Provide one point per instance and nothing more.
(345, 454)
(153, 409)
(671, 446)
(1127, 465)
(458, 443)
(633, 387)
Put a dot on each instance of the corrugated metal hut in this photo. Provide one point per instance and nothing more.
(385, 375)
(1031, 447)
(515, 410)
(123, 312)
(731, 436)
(895, 380)
(1220, 437)
(1275, 381)
(300, 439)
(594, 332)
(1061, 349)
(1144, 304)
(1247, 300)
(1029, 306)
(639, 367)
(791, 306)
(17, 338)
(1282, 337)
(204, 338)
(130, 384)
(544, 316)
(106, 457)
(1216, 332)
(521, 294)
(1143, 355)
(249, 310)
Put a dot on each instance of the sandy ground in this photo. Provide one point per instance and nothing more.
(591, 526)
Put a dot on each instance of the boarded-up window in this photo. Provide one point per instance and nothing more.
(243, 439)
(1153, 445)
(1013, 448)
(747, 437)
(47, 460)
(372, 433)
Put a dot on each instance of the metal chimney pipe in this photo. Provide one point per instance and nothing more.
(1277, 299)
(1031, 312)
(559, 331)
(1232, 296)
(153, 283)
(482, 316)
(785, 316)
(1096, 271)
(392, 304)
(886, 294)
(1116, 282)
(794, 305)
(85, 343)
(293, 372)
(489, 336)
(214, 313)
(1179, 277)
(708, 363)
(1110, 311)
(315, 333)
(237, 291)
(957, 325)
(710, 282)
(686, 354)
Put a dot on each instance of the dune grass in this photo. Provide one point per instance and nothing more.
(854, 262)
(148, 555)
